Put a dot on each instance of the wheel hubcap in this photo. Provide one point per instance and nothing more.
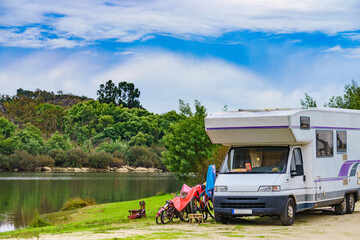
(290, 212)
(351, 201)
(343, 205)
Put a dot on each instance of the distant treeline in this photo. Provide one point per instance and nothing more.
(40, 128)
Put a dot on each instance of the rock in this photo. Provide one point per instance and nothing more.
(122, 169)
(60, 169)
(141, 169)
(43, 169)
(131, 169)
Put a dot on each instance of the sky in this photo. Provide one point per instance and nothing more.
(240, 53)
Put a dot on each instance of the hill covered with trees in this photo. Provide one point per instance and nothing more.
(40, 128)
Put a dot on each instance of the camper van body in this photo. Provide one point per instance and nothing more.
(320, 152)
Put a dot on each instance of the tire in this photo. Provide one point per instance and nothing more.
(340, 209)
(288, 216)
(350, 203)
(197, 207)
(158, 220)
(184, 214)
(166, 217)
(210, 208)
(221, 219)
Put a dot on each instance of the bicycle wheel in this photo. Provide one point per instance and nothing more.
(167, 215)
(158, 219)
(198, 207)
(210, 208)
(184, 214)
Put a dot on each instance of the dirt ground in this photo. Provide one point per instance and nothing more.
(318, 224)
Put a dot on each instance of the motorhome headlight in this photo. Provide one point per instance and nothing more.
(221, 188)
(273, 188)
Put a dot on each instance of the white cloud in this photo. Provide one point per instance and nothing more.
(127, 21)
(164, 77)
(344, 52)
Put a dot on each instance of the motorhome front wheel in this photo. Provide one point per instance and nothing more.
(288, 216)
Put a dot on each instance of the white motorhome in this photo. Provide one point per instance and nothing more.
(285, 161)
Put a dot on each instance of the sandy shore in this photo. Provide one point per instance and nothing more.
(319, 224)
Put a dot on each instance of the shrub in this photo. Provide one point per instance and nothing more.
(76, 158)
(39, 221)
(117, 162)
(4, 162)
(113, 146)
(76, 203)
(22, 160)
(100, 159)
(143, 157)
(44, 161)
(58, 155)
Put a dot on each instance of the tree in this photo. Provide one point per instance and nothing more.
(30, 139)
(128, 95)
(189, 148)
(107, 93)
(308, 102)
(124, 94)
(350, 99)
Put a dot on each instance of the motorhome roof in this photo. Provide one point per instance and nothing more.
(276, 112)
(276, 126)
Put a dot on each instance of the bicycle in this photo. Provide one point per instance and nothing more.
(168, 212)
(202, 204)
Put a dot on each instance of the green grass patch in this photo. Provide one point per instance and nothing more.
(102, 218)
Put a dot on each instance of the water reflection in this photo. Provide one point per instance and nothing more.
(21, 194)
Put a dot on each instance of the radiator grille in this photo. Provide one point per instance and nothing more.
(242, 205)
(242, 198)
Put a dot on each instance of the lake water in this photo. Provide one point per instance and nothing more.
(22, 194)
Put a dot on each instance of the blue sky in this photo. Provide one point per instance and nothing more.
(246, 54)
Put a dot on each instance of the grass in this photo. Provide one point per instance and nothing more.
(96, 218)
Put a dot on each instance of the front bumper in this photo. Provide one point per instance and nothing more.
(249, 205)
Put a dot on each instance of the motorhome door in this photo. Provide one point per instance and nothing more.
(297, 179)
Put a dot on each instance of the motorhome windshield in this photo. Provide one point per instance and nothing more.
(255, 160)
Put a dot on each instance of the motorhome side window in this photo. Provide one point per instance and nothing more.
(341, 141)
(296, 159)
(305, 123)
(324, 143)
(256, 160)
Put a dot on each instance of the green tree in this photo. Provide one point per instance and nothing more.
(30, 139)
(124, 94)
(58, 141)
(350, 99)
(189, 148)
(107, 93)
(308, 102)
(128, 95)
(6, 128)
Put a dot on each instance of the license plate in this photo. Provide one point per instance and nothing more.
(242, 211)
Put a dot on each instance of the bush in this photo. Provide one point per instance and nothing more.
(117, 162)
(58, 155)
(44, 161)
(143, 157)
(4, 162)
(76, 203)
(113, 146)
(100, 159)
(76, 158)
(39, 221)
(22, 160)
